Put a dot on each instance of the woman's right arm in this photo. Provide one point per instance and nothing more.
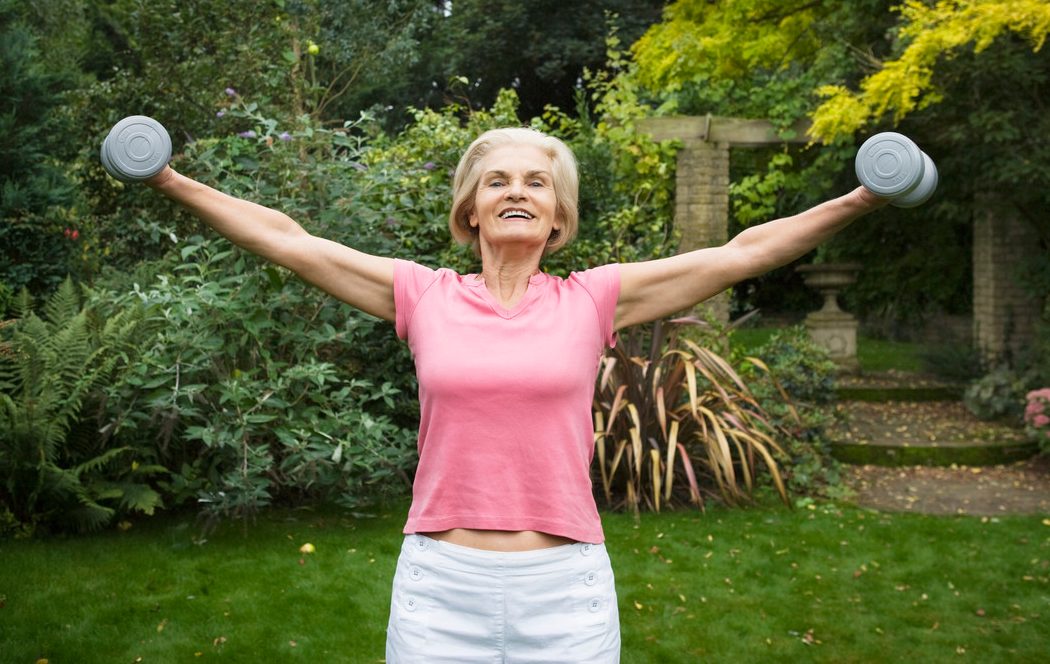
(361, 280)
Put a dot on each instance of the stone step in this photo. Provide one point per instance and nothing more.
(976, 454)
(932, 433)
(875, 393)
(896, 386)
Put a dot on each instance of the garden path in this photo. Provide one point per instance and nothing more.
(939, 426)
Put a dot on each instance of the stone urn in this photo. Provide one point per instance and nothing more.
(831, 327)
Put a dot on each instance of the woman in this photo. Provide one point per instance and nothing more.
(503, 557)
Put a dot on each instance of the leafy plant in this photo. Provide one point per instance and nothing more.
(663, 402)
(256, 388)
(803, 371)
(55, 467)
(1037, 417)
(997, 395)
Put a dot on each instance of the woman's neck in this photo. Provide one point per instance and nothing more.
(508, 282)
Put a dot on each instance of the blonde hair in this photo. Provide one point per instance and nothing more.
(564, 174)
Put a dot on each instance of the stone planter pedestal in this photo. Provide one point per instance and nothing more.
(831, 327)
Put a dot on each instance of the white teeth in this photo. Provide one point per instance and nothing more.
(515, 213)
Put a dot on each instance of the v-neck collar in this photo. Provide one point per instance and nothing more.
(477, 282)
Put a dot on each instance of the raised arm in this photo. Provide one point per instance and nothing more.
(658, 288)
(359, 279)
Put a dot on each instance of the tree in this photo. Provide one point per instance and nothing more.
(931, 35)
(966, 78)
(34, 188)
(538, 48)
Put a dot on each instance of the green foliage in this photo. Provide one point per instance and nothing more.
(802, 370)
(6, 296)
(35, 189)
(957, 361)
(1037, 418)
(754, 58)
(662, 402)
(965, 78)
(365, 52)
(55, 467)
(998, 395)
(253, 388)
(543, 61)
(929, 32)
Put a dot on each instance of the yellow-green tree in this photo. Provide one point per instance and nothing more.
(930, 34)
(968, 79)
(735, 40)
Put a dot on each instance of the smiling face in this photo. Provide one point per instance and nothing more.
(515, 202)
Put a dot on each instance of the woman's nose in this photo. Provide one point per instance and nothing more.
(515, 190)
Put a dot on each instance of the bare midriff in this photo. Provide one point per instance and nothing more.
(500, 540)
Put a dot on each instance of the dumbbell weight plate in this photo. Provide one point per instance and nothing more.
(921, 193)
(889, 164)
(137, 148)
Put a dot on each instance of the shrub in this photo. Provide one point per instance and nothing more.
(997, 395)
(1037, 417)
(953, 361)
(56, 469)
(255, 388)
(663, 401)
(802, 370)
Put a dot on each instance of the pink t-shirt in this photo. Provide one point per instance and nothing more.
(506, 434)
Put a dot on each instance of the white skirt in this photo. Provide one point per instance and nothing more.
(453, 603)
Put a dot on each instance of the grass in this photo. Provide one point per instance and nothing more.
(824, 584)
(873, 355)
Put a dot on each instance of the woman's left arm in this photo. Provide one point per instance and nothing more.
(659, 288)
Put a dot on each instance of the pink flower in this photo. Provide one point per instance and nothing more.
(1040, 421)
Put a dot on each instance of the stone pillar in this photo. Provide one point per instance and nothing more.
(1004, 312)
(702, 196)
(702, 204)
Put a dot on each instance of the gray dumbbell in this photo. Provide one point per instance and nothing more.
(892, 165)
(136, 148)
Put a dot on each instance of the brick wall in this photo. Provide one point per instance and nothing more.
(1004, 313)
(702, 204)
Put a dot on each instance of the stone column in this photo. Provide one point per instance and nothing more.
(702, 204)
(1004, 312)
(702, 195)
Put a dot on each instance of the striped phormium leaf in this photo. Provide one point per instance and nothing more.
(675, 422)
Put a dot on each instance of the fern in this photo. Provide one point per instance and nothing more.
(51, 368)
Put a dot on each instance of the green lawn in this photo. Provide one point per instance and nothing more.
(872, 354)
(827, 584)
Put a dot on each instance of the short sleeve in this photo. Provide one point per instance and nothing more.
(411, 280)
(603, 285)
